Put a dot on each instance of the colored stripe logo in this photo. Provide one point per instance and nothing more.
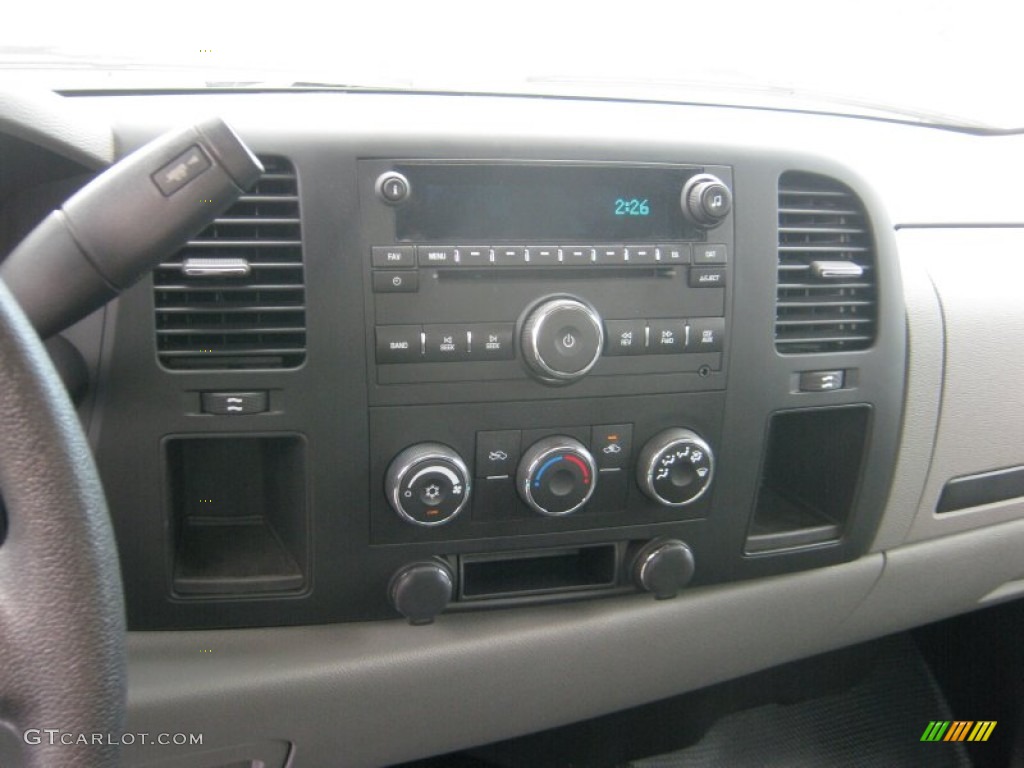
(958, 730)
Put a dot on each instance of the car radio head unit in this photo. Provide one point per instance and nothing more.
(546, 273)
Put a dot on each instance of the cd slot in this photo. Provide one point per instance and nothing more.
(470, 274)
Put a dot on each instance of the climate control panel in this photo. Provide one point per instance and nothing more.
(543, 475)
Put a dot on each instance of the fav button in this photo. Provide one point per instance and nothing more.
(394, 256)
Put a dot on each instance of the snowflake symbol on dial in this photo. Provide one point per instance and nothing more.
(432, 492)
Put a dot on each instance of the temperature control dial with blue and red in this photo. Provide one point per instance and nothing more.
(556, 476)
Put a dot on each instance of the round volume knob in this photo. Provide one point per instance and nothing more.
(556, 476)
(393, 188)
(561, 339)
(675, 467)
(427, 484)
(663, 567)
(706, 201)
(420, 591)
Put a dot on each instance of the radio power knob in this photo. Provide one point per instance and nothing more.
(556, 476)
(561, 340)
(706, 200)
(675, 467)
(427, 484)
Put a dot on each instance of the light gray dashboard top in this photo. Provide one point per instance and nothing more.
(61, 125)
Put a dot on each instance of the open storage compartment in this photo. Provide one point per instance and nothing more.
(238, 514)
(810, 477)
(538, 572)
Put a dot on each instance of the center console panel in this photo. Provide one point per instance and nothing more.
(525, 380)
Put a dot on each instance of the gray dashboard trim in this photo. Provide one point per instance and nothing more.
(378, 693)
(922, 400)
(978, 274)
(61, 125)
(384, 692)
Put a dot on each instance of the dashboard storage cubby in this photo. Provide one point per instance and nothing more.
(810, 477)
(238, 514)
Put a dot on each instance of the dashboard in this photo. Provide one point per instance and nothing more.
(635, 397)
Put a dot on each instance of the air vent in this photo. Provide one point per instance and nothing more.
(827, 291)
(234, 297)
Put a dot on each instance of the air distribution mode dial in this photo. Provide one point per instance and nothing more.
(427, 484)
(561, 339)
(675, 467)
(706, 200)
(556, 476)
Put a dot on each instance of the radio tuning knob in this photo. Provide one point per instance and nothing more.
(427, 484)
(556, 476)
(706, 200)
(675, 467)
(561, 340)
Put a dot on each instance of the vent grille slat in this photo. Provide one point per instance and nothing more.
(237, 323)
(822, 220)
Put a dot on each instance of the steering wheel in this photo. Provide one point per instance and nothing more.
(62, 658)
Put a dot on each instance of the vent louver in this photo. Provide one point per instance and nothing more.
(827, 290)
(234, 297)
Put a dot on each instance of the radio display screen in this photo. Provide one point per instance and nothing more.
(561, 203)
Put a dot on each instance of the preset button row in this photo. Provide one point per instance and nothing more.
(410, 256)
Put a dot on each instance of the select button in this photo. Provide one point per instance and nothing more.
(707, 277)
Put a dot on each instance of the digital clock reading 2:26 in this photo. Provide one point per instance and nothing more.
(632, 207)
